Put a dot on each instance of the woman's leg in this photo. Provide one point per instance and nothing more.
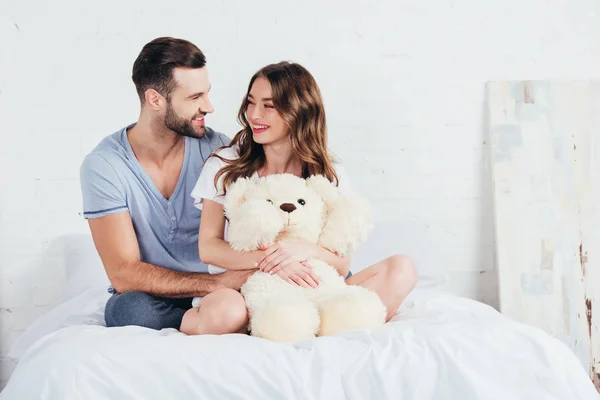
(392, 279)
(220, 312)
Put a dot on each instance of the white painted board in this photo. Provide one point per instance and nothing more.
(545, 166)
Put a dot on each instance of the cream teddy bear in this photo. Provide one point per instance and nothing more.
(284, 207)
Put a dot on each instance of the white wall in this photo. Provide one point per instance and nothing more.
(403, 84)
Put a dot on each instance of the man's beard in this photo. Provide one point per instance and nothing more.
(181, 126)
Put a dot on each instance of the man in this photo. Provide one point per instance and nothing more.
(136, 187)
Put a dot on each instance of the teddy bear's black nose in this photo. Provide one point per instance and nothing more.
(287, 207)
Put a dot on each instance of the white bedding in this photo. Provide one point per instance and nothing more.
(438, 347)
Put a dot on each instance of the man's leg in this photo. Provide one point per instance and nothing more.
(222, 311)
(392, 279)
(142, 309)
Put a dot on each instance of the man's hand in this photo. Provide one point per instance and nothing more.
(235, 279)
(299, 274)
(280, 255)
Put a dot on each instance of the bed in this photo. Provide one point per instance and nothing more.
(438, 346)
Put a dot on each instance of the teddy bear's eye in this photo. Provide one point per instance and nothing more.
(301, 202)
(269, 200)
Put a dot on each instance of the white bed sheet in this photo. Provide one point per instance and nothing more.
(439, 346)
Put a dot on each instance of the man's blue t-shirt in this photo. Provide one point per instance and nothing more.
(113, 181)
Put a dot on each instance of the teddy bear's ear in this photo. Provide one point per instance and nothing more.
(347, 224)
(237, 193)
(348, 217)
(324, 188)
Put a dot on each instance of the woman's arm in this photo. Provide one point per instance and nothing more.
(342, 264)
(214, 249)
(278, 255)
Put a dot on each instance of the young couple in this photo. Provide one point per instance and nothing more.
(152, 194)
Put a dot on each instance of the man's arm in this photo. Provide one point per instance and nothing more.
(117, 245)
(105, 207)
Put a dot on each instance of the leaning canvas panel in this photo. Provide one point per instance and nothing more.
(545, 167)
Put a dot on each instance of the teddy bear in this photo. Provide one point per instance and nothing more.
(284, 207)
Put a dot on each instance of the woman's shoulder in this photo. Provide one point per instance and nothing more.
(205, 187)
(228, 153)
(342, 176)
(216, 160)
(339, 167)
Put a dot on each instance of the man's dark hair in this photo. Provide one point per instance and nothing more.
(153, 68)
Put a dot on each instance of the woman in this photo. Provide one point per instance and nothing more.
(284, 131)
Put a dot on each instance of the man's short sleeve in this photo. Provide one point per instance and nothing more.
(101, 188)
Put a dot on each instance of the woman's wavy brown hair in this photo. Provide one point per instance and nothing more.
(297, 98)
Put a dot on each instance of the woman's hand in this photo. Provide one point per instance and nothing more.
(299, 274)
(282, 254)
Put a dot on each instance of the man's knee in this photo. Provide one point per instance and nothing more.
(141, 309)
(223, 311)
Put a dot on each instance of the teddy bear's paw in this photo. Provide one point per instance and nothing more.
(353, 308)
(286, 322)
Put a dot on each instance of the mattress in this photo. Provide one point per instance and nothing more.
(438, 346)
